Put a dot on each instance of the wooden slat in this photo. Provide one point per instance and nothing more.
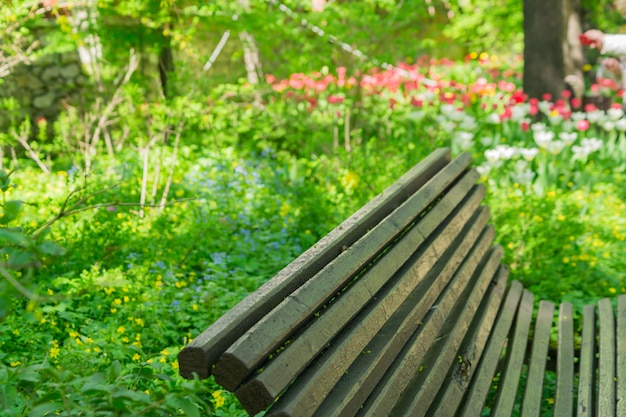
(262, 389)
(516, 350)
(606, 372)
(453, 388)
(621, 355)
(199, 356)
(251, 350)
(531, 403)
(420, 394)
(314, 385)
(486, 369)
(564, 396)
(362, 377)
(587, 365)
(410, 360)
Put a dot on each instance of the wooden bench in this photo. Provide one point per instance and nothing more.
(403, 310)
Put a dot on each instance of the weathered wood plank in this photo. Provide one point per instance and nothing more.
(453, 388)
(309, 391)
(486, 369)
(410, 360)
(531, 403)
(516, 350)
(365, 373)
(420, 393)
(621, 355)
(564, 396)
(200, 355)
(606, 365)
(263, 388)
(587, 365)
(251, 350)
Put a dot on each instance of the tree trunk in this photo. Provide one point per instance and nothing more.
(544, 63)
(573, 50)
(166, 64)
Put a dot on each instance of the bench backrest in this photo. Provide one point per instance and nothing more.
(395, 302)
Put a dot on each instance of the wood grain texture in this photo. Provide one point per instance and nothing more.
(250, 351)
(470, 353)
(531, 402)
(263, 388)
(200, 355)
(410, 360)
(607, 360)
(360, 380)
(307, 393)
(476, 394)
(442, 355)
(564, 395)
(621, 355)
(587, 364)
(516, 350)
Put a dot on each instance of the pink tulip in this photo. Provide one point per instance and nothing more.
(335, 99)
(582, 125)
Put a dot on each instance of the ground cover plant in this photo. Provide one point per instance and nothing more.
(160, 237)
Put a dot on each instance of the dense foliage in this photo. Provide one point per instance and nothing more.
(136, 220)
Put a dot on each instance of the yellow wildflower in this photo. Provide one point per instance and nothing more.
(218, 399)
(54, 352)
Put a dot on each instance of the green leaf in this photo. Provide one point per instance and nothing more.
(5, 180)
(7, 396)
(188, 408)
(94, 388)
(135, 396)
(115, 370)
(51, 248)
(11, 211)
(19, 259)
(45, 409)
(29, 374)
(15, 237)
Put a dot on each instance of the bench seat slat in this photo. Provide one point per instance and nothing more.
(486, 369)
(564, 396)
(587, 366)
(265, 387)
(244, 356)
(420, 394)
(358, 382)
(531, 404)
(606, 372)
(410, 360)
(451, 393)
(621, 355)
(309, 391)
(516, 350)
(201, 354)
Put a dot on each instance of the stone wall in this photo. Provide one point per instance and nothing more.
(42, 87)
